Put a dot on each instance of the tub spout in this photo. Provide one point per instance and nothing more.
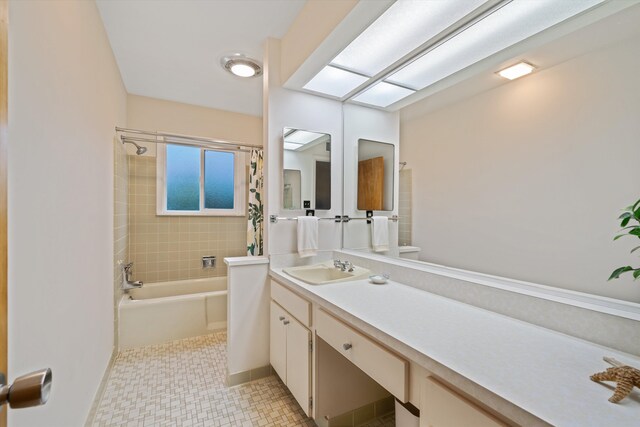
(127, 284)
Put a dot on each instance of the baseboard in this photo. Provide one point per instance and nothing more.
(363, 414)
(103, 383)
(250, 375)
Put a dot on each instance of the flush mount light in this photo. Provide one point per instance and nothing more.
(518, 70)
(241, 65)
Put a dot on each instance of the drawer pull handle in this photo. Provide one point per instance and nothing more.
(286, 322)
(347, 346)
(281, 318)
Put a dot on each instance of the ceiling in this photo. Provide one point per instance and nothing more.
(171, 49)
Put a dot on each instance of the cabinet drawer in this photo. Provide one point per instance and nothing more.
(385, 367)
(299, 307)
(442, 407)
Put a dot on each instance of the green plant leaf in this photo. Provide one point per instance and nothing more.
(635, 231)
(625, 215)
(635, 205)
(634, 249)
(636, 274)
(617, 272)
(619, 236)
(636, 214)
(625, 221)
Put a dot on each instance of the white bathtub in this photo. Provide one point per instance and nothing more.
(165, 311)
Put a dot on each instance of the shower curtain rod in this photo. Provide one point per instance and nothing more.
(125, 138)
(175, 138)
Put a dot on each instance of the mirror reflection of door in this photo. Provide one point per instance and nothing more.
(292, 189)
(371, 184)
(323, 185)
(376, 169)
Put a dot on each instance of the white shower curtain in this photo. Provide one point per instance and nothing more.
(255, 220)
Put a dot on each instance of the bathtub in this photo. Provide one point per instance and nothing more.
(165, 311)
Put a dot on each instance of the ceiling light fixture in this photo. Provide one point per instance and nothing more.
(518, 70)
(241, 65)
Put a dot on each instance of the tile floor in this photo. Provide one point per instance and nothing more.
(182, 383)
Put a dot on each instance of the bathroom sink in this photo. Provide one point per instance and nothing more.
(320, 274)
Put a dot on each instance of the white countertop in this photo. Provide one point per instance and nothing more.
(541, 371)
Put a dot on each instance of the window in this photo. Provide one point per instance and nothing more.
(199, 181)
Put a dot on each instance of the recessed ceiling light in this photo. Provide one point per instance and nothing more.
(241, 65)
(518, 70)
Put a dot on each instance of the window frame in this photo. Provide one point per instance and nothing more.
(239, 185)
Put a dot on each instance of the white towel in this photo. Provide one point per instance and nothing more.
(380, 233)
(307, 236)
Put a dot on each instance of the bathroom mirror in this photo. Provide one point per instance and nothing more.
(375, 175)
(306, 170)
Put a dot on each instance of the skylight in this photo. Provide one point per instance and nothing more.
(405, 26)
(383, 94)
(509, 25)
(295, 139)
(335, 82)
(420, 28)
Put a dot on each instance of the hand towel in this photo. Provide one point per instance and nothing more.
(307, 236)
(380, 233)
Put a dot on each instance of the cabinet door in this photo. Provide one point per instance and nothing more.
(299, 363)
(442, 407)
(278, 341)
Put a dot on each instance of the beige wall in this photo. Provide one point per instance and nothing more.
(65, 97)
(171, 248)
(120, 225)
(168, 116)
(526, 180)
(313, 24)
(404, 208)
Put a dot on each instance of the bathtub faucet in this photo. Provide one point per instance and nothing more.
(127, 283)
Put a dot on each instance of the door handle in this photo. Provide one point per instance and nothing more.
(26, 391)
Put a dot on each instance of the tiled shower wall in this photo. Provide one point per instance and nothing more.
(404, 211)
(171, 247)
(120, 223)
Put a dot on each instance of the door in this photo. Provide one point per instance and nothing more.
(371, 184)
(278, 341)
(323, 185)
(31, 389)
(3, 191)
(299, 362)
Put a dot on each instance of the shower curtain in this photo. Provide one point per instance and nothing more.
(255, 220)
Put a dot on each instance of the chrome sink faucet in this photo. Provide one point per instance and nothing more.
(343, 265)
(127, 284)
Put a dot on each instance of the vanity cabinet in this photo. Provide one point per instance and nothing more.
(290, 345)
(385, 367)
(443, 407)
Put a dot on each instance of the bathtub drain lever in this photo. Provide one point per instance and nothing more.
(209, 262)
